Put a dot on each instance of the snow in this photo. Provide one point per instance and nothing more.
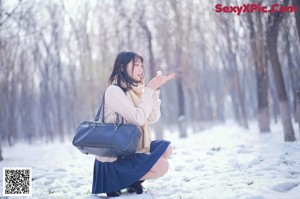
(225, 161)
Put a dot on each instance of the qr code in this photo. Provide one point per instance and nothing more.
(17, 181)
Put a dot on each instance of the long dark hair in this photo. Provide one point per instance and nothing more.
(120, 69)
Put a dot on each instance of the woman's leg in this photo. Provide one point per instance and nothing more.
(167, 153)
(159, 169)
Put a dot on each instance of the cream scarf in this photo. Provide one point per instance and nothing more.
(134, 95)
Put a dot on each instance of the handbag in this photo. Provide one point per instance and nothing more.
(107, 139)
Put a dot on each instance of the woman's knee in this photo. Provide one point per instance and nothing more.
(165, 168)
(168, 152)
(161, 167)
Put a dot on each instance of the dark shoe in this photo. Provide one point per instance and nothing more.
(114, 194)
(136, 187)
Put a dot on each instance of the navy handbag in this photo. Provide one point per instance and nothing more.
(107, 139)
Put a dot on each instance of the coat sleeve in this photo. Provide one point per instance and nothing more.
(117, 100)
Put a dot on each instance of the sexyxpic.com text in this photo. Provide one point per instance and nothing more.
(250, 8)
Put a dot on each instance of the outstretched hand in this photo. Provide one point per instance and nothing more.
(160, 80)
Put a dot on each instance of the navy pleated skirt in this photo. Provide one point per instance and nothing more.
(112, 176)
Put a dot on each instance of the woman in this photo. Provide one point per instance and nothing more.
(140, 105)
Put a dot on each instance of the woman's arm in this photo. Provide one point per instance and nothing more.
(117, 100)
(155, 114)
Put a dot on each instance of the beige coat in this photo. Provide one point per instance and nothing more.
(117, 101)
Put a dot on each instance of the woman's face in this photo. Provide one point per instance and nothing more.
(135, 70)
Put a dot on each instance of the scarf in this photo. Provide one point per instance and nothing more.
(134, 95)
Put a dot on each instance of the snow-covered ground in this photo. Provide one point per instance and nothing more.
(224, 161)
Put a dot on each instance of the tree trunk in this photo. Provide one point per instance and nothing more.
(261, 72)
(181, 112)
(45, 101)
(12, 127)
(159, 125)
(27, 110)
(192, 109)
(240, 95)
(297, 16)
(234, 103)
(236, 93)
(1, 121)
(297, 114)
(150, 49)
(1, 157)
(220, 96)
(274, 103)
(292, 71)
(177, 7)
(159, 129)
(59, 82)
(272, 33)
(297, 100)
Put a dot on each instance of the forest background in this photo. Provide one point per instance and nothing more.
(56, 57)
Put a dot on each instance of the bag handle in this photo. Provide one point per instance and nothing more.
(102, 108)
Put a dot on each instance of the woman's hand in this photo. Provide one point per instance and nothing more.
(159, 80)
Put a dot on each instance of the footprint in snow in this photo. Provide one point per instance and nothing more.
(199, 167)
(178, 168)
(286, 186)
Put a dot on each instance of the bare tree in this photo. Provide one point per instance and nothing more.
(56, 13)
(153, 68)
(233, 74)
(293, 71)
(297, 114)
(1, 158)
(259, 58)
(296, 84)
(177, 8)
(273, 23)
(297, 16)
(55, 68)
